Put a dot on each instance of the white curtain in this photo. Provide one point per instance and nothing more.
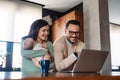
(16, 18)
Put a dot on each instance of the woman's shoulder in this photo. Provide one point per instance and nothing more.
(49, 43)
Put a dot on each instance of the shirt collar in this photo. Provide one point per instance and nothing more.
(68, 42)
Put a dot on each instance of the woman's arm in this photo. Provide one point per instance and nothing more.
(50, 49)
(31, 53)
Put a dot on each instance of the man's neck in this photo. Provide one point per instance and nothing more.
(69, 42)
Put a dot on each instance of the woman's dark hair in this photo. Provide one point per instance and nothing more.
(75, 22)
(34, 29)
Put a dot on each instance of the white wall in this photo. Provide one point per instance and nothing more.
(91, 24)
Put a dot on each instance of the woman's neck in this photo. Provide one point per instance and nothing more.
(40, 41)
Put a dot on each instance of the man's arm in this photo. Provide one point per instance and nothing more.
(60, 61)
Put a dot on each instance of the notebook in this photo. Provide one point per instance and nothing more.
(90, 61)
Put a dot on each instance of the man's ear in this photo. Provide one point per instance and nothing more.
(65, 30)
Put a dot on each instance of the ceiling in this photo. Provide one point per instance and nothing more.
(64, 5)
(58, 5)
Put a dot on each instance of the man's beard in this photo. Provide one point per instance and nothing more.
(72, 37)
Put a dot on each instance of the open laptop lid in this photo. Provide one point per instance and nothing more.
(90, 61)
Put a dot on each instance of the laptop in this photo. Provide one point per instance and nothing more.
(90, 61)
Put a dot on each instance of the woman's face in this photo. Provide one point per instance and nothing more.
(43, 33)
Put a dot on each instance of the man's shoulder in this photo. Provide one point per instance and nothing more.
(80, 41)
(81, 44)
(60, 40)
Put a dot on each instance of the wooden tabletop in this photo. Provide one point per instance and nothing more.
(60, 76)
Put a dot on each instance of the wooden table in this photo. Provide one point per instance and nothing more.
(59, 76)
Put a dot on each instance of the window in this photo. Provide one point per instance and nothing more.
(15, 19)
(3, 53)
(115, 45)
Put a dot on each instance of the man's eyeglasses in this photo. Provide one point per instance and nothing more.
(73, 32)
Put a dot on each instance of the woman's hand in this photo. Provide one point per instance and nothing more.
(47, 55)
(36, 62)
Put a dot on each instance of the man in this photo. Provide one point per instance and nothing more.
(67, 48)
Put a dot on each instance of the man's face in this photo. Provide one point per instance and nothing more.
(72, 33)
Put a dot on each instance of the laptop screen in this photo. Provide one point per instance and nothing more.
(90, 61)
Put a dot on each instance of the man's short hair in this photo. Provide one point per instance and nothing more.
(75, 22)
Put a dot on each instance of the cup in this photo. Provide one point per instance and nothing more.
(44, 66)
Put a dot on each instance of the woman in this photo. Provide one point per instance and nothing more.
(38, 34)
